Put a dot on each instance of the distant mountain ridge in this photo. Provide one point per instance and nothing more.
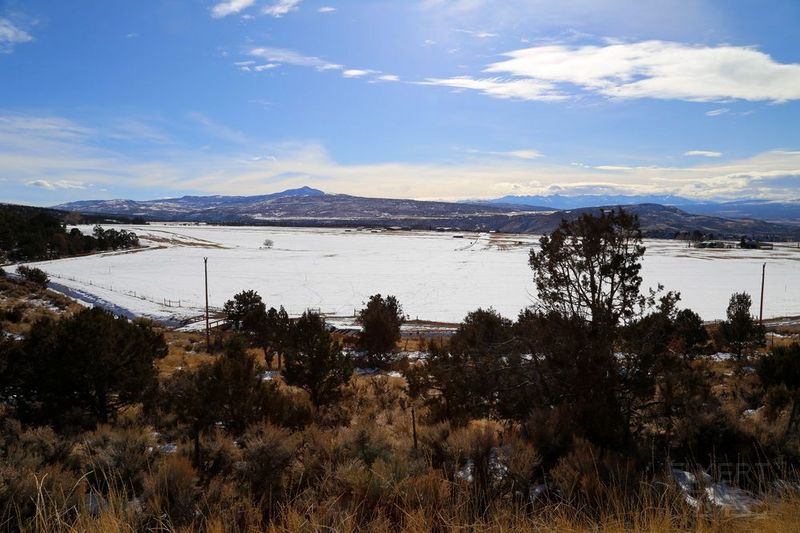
(182, 204)
(311, 207)
(771, 210)
(559, 201)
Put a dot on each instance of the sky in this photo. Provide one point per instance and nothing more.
(427, 99)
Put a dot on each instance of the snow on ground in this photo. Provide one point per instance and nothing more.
(434, 275)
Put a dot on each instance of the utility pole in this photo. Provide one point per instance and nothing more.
(761, 310)
(208, 332)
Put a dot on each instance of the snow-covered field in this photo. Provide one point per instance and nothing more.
(436, 276)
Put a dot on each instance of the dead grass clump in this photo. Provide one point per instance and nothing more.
(594, 477)
(108, 454)
(267, 452)
(170, 492)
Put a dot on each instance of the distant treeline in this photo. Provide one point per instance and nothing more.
(32, 234)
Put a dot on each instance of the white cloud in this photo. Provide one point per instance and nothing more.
(290, 57)
(389, 77)
(355, 73)
(281, 8)
(525, 154)
(478, 34)
(717, 112)
(522, 89)
(326, 9)
(702, 153)
(10, 36)
(230, 7)
(655, 69)
(518, 154)
(59, 184)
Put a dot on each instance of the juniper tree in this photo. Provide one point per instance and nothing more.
(380, 323)
(245, 312)
(90, 364)
(589, 267)
(740, 331)
(314, 359)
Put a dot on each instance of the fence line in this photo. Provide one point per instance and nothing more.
(164, 302)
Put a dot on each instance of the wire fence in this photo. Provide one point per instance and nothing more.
(161, 301)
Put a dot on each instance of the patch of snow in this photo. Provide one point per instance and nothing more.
(701, 490)
(168, 448)
(497, 470)
(749, 413)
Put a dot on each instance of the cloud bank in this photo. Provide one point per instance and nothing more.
(58, 157)
(647, 69)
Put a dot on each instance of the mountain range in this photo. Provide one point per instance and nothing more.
(306, 206)
(770, 210)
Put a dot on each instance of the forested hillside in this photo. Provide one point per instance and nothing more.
(32, 234)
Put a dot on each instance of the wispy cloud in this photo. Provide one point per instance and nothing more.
(281, 56)
(281, 8)
(717, 112)
(702, 153)
(478, 34)
(216, 129)
(230, 7)
(647, 69)
(522, 89)
(11, 35)
(290, 57)
(518, 154)
(326, 9)
(59, 184)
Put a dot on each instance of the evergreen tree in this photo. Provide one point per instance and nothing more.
(740, 331)
(690, 332)
(466, 373)
(274, 334)
(380, 328)
(245, 312)
(315, 361)
(90, 364)
(780, 371)
(589, 267)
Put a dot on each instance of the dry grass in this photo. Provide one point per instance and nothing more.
(354, 469)
(23, 303)
(116, 512)
(187, 351)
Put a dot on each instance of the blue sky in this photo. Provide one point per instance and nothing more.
(444, 99)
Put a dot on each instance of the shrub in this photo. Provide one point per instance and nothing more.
(171, 490)
(14, 314)
(33, 275)
(114, 454)
(592, 476)
(267, 453)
